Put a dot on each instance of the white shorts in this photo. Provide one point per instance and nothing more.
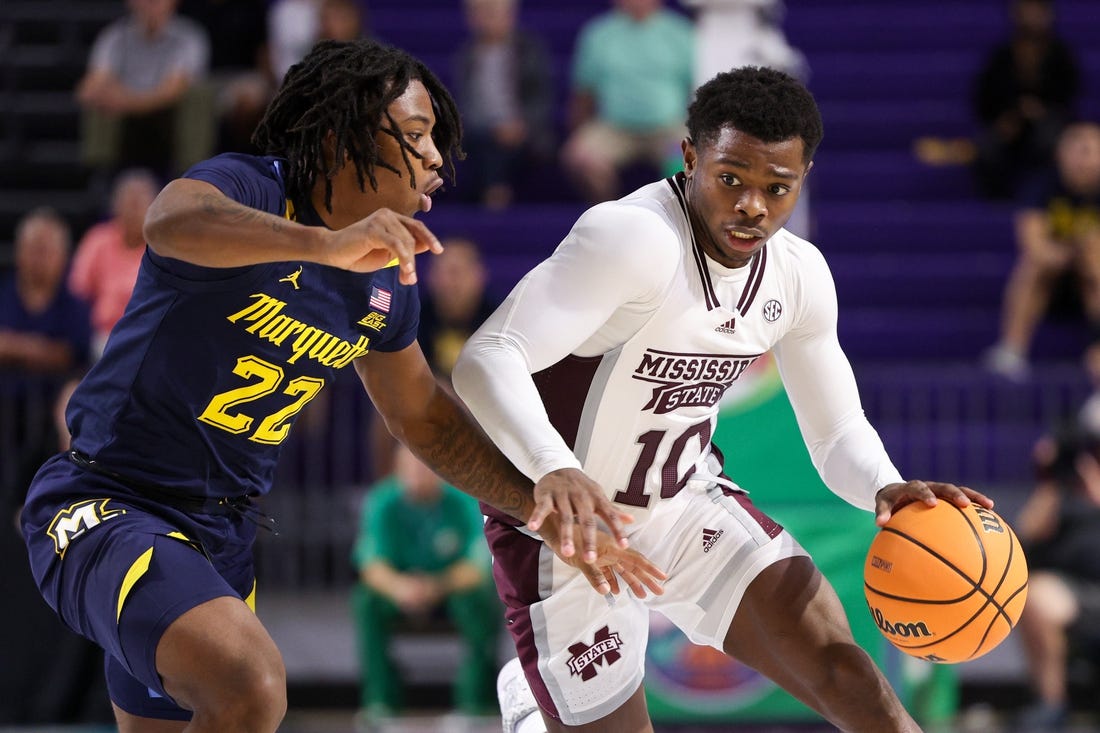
(583, 656)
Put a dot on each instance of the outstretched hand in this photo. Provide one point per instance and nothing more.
(577, 499)
(376, 240)
(612, 562)
(892, 497)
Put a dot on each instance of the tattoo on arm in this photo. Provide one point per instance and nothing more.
(235, 214)
(457, 449)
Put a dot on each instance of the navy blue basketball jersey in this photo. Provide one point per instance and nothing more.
(208, 368)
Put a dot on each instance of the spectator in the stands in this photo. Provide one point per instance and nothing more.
(1058, 238)
(143, 96)
(1024, 95)
(106, 262)
(240, 76)
(1059, 527)
(420, 556)
(48, 674)
(455, 302)
(503, 85)
(293, 27)
(757, 24)
(633, 76)
(342, 20)
(44, 339)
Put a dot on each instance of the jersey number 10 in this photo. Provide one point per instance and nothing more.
(671, 480)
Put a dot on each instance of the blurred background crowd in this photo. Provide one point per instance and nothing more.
(956, 197)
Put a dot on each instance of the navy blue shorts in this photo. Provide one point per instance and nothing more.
(119, 568)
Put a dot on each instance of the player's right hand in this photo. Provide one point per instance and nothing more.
(577, 499)
(378, 239)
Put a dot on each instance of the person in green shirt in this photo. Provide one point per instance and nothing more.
(632, 76)
(420, 555)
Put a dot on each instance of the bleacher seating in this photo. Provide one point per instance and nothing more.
(44, 44)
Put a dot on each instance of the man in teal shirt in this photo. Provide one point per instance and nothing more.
(420, 553)
(633, 76)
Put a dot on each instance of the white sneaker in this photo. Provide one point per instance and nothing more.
(515, 696)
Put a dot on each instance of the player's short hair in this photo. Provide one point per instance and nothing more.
(345, 87)
(765, 103)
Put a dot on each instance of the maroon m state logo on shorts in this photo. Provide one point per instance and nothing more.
(605, 646)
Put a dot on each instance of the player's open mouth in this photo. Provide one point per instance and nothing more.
(740, 239)
(426, 197)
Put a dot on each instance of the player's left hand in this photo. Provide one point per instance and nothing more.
(612, 562)
(577, 501)
(892, 497)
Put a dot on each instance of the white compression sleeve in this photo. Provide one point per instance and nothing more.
(843, 446)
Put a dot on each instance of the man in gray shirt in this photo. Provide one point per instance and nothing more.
(143, 73)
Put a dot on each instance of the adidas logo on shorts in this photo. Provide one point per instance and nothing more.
(710, 536)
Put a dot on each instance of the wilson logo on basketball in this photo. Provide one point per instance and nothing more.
(905, 630)
(990, 521)
(880, 564)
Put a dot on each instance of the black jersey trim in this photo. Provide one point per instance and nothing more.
(676, 183)
(756, 276)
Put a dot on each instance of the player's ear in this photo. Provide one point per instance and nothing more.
(687, 146)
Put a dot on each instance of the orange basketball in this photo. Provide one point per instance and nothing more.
(945, 583)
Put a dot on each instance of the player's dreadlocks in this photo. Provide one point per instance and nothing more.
(345, 88)
(765, 103)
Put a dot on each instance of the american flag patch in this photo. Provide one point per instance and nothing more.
(380, 299)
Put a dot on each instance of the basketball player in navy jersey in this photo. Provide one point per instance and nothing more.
(606, 366)
(263, 276)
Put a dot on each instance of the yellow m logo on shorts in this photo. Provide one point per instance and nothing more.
(78, 518)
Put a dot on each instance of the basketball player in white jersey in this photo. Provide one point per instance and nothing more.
(606, 364)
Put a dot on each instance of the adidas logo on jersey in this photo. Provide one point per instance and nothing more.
(727, 327)
(710, 536)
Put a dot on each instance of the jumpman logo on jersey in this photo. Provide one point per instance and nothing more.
(292, 278)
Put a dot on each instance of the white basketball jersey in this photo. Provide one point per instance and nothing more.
(632, 335)
(651, 405)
